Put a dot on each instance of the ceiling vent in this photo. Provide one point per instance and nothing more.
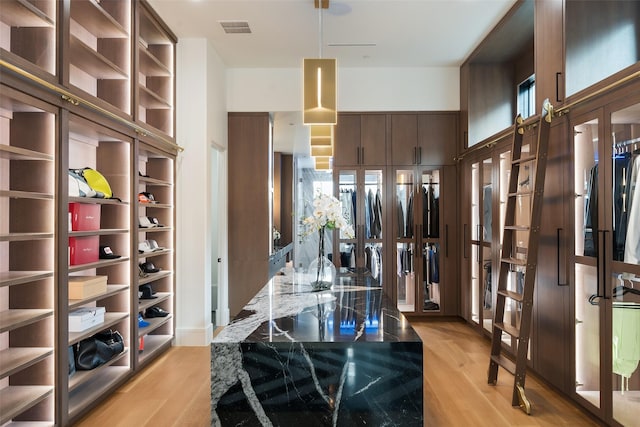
(235, 27)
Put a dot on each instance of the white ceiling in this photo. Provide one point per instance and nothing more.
(358, 33)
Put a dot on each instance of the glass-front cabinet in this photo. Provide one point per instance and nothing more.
(421, 245)
(361, 194)
(483, 276)
(606, 276)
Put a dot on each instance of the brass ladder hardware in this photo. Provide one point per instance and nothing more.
(520, 259)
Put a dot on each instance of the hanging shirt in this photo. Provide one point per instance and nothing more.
(632, 244)
(626, 338)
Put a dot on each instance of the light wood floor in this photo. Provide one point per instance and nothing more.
(174, 390)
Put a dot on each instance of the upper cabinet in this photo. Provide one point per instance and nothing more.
(601, 39)
(156, 70)
(99, 54)
(558, 50)
(28, 31)
(500, 76)
(360, 140)
(423, 138)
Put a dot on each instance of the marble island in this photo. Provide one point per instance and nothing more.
(342, 357)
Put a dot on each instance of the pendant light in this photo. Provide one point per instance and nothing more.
(319, 83)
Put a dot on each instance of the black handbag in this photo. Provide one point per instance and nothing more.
(98, 349)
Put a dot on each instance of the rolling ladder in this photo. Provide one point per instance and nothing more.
(516, 257)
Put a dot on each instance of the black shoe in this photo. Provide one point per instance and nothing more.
(155, 312)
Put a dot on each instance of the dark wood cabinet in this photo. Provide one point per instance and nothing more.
(373, 140)
(428, 138)
(346, 144)
(360, 140)
(437, 138)
(404, 139)
(249, 205)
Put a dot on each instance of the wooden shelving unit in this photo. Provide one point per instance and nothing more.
(156, 176)
(27, 232)
(119, 119)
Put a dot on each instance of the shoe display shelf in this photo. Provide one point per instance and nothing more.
(156, 179)
(108, 152)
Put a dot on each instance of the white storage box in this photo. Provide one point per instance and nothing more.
(84, 318)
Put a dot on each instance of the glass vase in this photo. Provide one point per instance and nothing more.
(322, 272)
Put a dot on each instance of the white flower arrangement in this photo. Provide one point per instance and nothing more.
(276, 234)
(327, 214)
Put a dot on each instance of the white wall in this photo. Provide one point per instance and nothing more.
(359, 89)
(201, 116)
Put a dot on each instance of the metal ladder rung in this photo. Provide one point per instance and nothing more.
(511, 330)
(506, 364)
(525, 159)
(517, 227)
(521, 194)
(514, 261)
(511, 294)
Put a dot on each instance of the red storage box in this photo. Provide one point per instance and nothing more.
(83, 250)
(84, 217)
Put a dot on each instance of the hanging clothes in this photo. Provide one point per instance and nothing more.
(425, 211)
(409, 229)
(626, 338)
(346, 201)
(487, 212)
(376, 226)
(487, 286)
(632, 243)
(367, 214)
(401, 219)
(591, 214)
(621, 197)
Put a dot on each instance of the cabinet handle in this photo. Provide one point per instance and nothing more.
(464, 242)
(604, 260)
(598, 259)
(558, 75)
(446, 240)
(558, 245)
(357, 155)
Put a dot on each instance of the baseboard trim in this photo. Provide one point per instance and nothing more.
(194, 337)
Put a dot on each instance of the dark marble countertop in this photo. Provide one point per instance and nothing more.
(287, 310)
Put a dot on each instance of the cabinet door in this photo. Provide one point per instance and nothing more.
(437, 138)
(607, 260)
(361, 194)
(373, 138)
(552, 321)
(404, 238)
(346, 142)
(404, 139)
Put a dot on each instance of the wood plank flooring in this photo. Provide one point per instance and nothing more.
(174, 389)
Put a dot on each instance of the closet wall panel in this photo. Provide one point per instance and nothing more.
(249, 205)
